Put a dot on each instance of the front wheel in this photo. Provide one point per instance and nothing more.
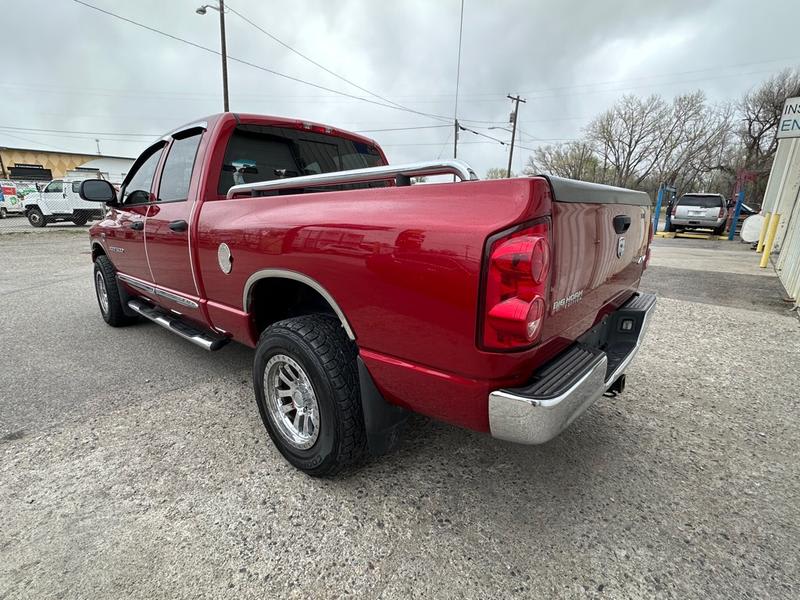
(306, 385)
(36, 218)
(107, 292)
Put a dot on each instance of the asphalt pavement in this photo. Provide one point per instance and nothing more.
(133, 464)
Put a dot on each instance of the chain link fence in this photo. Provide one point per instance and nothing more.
(16, 216)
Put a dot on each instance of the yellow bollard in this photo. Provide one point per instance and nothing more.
(773, 229)
(763, 233)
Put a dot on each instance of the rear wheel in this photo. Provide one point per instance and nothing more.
(719, 230)
(36, 218)
(107, 292)
(80, 219)
(306, 385)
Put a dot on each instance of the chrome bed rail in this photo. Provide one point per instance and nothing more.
(402, 172)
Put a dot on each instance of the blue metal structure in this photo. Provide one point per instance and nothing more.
(659, 201)
(736, 213)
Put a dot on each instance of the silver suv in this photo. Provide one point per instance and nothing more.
(694, 211)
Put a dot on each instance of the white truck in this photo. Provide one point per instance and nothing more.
(10, 199)
(60, 201)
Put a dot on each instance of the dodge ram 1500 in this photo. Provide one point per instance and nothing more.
(504, 306)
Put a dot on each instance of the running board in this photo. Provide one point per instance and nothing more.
(205, 339)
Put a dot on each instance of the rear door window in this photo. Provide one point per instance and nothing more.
(76, 186)
(701, 201)
(177, 173)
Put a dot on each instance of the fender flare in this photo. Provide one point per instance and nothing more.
(300, 277)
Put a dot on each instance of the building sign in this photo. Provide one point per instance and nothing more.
(789, 125)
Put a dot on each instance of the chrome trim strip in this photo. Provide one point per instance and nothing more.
(287, 274)
(183, 301)
(137, 283)
(157, 291)
(436, 167)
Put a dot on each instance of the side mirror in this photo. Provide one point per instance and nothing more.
(98, 190)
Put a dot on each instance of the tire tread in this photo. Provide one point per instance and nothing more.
(336, 353)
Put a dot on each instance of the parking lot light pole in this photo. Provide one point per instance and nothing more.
(223, 48)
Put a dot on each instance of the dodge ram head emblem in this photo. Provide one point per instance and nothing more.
(224, 258)
(620, 247)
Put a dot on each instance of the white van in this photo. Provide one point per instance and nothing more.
(60, 201)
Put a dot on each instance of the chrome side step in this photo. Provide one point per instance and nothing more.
(205, 339)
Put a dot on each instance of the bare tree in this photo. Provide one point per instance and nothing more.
(574, 160)
(642, 142)
(498, 173)
(628, 136)
(760, 111)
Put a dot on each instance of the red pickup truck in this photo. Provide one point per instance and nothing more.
(506, 306)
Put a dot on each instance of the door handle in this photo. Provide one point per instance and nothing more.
(180, 225)
(622, 223)
(137, 225)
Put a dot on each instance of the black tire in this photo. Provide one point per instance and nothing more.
(320, 346)
(113, 313)
(3, 212)
(80, 219)
(719, 230)
(35, 217)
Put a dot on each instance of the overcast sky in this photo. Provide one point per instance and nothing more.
(70, 68)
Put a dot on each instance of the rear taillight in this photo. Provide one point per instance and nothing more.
(721, 213)
(675, 210)
(649, 241)
(516, 287)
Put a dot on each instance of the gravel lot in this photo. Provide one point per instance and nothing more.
(133, 464)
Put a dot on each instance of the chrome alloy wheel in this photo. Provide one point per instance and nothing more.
(102, 292)
(291, 402)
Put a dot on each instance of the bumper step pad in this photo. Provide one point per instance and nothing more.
(565, 387)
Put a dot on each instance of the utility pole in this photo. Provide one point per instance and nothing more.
(223, 46)
(455, 139)
(516, 100)
(458, 80)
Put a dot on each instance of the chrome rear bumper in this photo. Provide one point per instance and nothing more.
(564, 388)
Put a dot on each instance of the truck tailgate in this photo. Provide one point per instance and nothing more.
(600, 236)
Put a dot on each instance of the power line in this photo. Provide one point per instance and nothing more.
(444, 146)
(499, 141)
(16, 137)
(311, 60)
(256, 66)
(399, 128)
(32, 129)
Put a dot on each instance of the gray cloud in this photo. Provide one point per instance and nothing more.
(71, 68)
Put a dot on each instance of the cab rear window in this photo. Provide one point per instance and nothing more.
(701, 201)
(262, 153)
